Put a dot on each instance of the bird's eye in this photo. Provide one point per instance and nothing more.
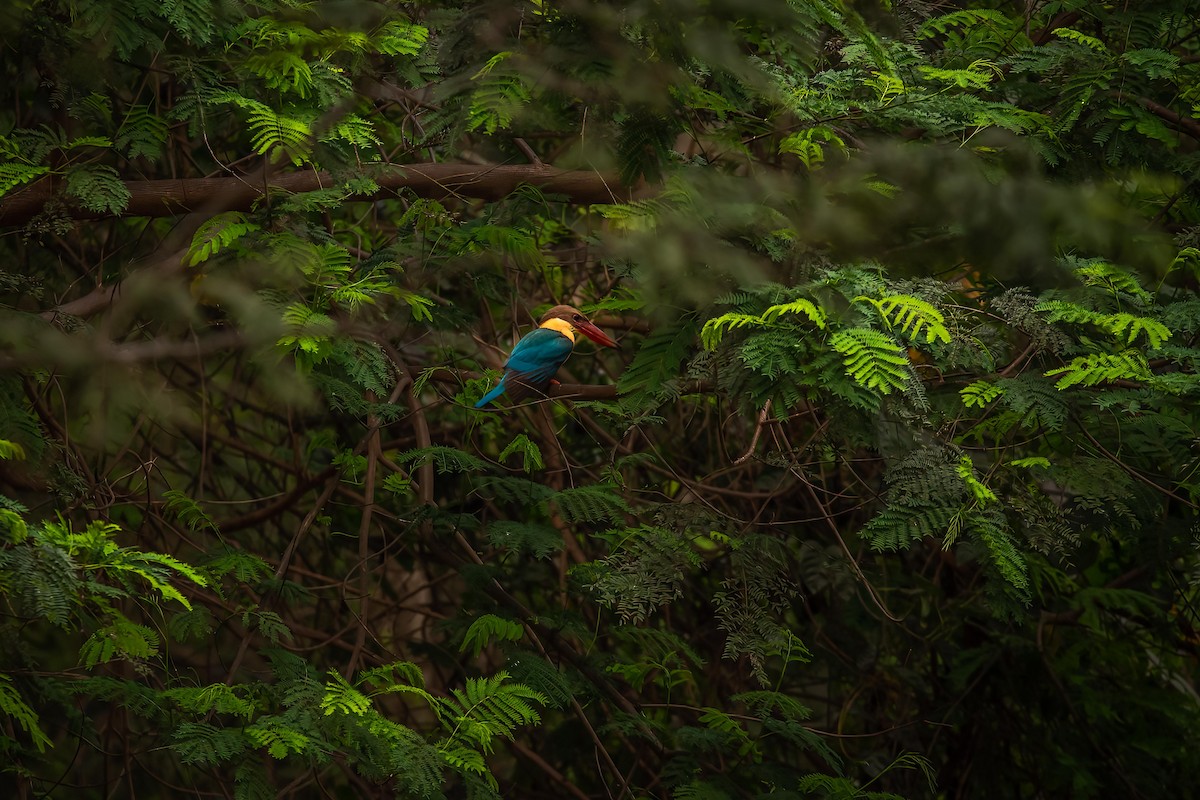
(578, 318)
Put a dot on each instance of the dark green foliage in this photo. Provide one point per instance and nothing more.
(890, 491)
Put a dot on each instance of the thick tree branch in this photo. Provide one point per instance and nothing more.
(165, 198)
(1185, 124)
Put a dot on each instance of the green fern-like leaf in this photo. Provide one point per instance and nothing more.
(1064, 311)
(531, 454)
(990, 529)
(1082, 38)
(1128, 327)
(1090, 370)
(342, 698)
(142, 133)
(766, 703)
(980, 393)
(898, 526)
(13, 174)
(216, 234)
(716, 328)
(283, 71)
(188, 511)
(1115, 279)
(400, 37)
(487, 708)
(273, 132)
(16, 709)
(500, 95)
(1035, 401)
(354, 131)
(277, 737)
(11, 451)
(979, 490)
(659, 359)
(644, 146)
(120, 639)
(207, 745)
(489, 627)
(596, 503)
(911, 315)
(445, 459)
(542, 676)
(216, 698)
(540, 540)
(873, 359)
(98, 188)
(646, 570)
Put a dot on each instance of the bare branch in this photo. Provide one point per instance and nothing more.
(165, 198)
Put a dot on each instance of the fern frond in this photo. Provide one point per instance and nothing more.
(873, 359)
(500, 95)
(646, 571)
(98, 188)
(1090, 370)
(715, 328)
(216, 698)
(216, 234)
(119, 639)
(142, 133)
(400, 37)
(13, 174)
(540, 540)
(991, 530)
(207, 745)
(15, 708)
(280, 739)
(341, 698)
(1128, 327)
(911, 315)
(1116, 279)
(531, 454)
(489, 627)
(445, 459)
(596, 503)
(898, 526)
(980, 393)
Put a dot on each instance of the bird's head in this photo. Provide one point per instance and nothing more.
(575, 318)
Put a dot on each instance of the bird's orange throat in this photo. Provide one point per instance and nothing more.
(561, 326)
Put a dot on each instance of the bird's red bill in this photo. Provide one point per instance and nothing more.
(595, 334)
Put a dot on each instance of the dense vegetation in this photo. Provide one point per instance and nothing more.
(891, 490)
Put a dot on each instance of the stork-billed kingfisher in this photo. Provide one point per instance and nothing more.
(539, 354)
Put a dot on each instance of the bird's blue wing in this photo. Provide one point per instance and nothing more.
(538, 356)
(531, 365)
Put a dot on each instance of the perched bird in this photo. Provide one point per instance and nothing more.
(539, 354)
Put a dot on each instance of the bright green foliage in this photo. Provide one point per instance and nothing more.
(873, 359)
(714, 329)
(980, 393)
(912, 316)
(1129, 365)
(484, 710)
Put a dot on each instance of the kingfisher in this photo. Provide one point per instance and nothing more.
(531, 365)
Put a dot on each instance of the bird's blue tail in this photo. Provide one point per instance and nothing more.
(492, 395)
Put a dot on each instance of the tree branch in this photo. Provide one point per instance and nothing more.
(1185, 124)
(165, 198)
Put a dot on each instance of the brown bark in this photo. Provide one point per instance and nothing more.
(164, 198)
(1187, 125)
